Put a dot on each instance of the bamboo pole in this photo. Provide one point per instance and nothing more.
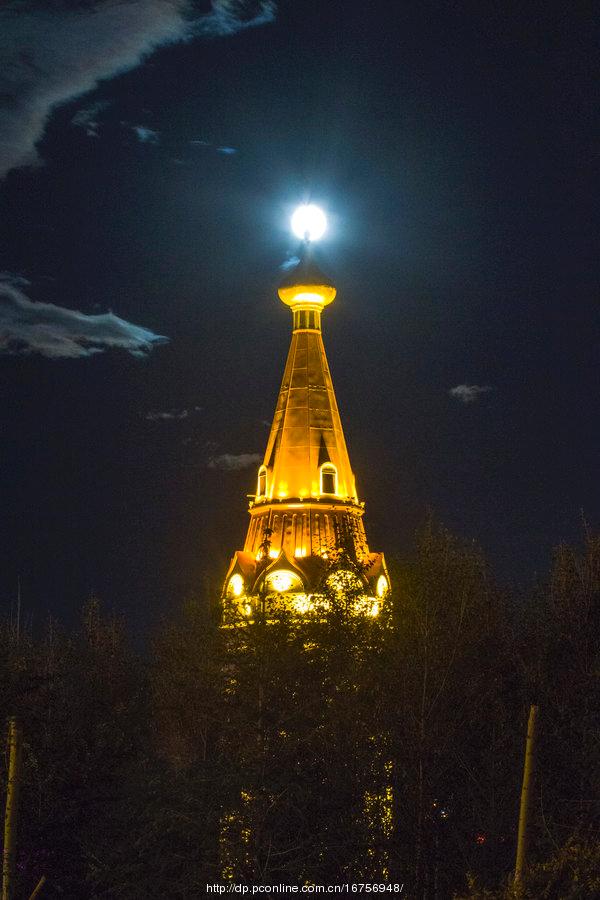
(12, 808)
(525, 795)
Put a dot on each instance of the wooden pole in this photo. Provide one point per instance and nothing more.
(38, 887)
(525, 795)
(12, 808)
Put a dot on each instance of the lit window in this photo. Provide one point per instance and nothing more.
(382, 586)
(328, 479)
(282, 581)
(261, 488)
(236, 585)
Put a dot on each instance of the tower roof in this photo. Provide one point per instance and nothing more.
(307, 432)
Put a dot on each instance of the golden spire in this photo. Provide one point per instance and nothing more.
(306, 455)
(306, 508)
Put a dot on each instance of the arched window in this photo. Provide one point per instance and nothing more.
(382, 586)
(328, 479)
(235, 588)
(261, 489)
(282, 581)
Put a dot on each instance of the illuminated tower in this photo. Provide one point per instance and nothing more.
(305, 518)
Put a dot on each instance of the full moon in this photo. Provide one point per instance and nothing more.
(309, 222)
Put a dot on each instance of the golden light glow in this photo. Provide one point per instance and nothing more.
(273, 553)
(247, 609)
(344, 582)
(382, 586)
(236, 585)
(366, 606)
(303, 604)
(282, 580)
(309, 222)
(309, 298)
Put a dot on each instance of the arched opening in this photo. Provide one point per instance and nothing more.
(235, 587)
(328, 479)
(282, 580)
(382, 586)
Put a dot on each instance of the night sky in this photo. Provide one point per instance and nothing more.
(451, 147)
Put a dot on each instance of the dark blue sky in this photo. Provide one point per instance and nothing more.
(451, 145)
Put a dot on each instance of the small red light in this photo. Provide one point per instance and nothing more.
(480, 838)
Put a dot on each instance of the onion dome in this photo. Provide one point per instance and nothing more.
(306, 284)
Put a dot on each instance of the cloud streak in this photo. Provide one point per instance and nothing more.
(170, 415)
(27, 328)
(167, 416)
(230, 462)
(469, 393)
(51, 53)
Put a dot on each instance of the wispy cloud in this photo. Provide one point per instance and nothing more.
(223, 150)
(228, 16)
(144, 134)
(51, 53)
(87, 118)
(468, 393)
(289, 263)
(27, 327)
(231, 462)
(167, 416)
(170, 415)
